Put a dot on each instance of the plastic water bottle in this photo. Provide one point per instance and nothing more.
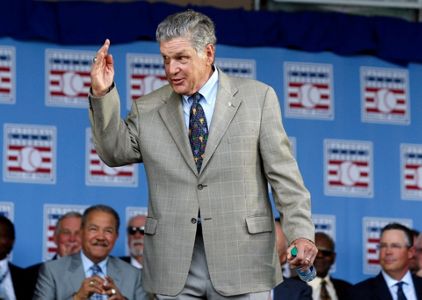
(306, 273)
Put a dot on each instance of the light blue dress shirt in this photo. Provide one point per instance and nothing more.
(209, 92)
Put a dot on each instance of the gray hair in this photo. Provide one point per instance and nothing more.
(70, 214)
(195, 26)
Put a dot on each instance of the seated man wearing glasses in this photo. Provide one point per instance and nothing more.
(135, 240)
(324, 286)
(395, 280)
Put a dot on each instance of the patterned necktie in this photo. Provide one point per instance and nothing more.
(323, 294)
(96, 270)
(400, 293)
(198, 130)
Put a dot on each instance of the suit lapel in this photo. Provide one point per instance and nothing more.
(381, 287)
(76, 271)
(172, 115)
(417, 283)
(226, 106)
(114, 271)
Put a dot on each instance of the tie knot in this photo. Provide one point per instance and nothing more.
(323, 282)
(400, 284)
(96, 270)
(195, 98)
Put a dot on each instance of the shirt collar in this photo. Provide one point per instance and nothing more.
(87, 263)
(317, 281)
(407, 278)
(206, 89)
(4, 264)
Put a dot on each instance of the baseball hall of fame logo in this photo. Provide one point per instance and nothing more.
(7, 75)
(371, 238)
(7, 210)
(308, 90)
(29, 153)
(99, 174)
(385, 96)
(348, 168)
(411, 171)
(145, 73)
(242, 68)
(67, 77)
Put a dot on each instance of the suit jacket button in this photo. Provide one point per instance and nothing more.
(200, 186)
(193, 220)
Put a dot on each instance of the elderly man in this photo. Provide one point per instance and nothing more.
(67, 239)
(395, 280)
(92, 272)
(135, 240)
(210, 145)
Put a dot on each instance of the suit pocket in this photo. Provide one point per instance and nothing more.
(150, 226)
(258, 224)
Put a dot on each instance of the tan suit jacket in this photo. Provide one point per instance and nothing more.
(247, 146)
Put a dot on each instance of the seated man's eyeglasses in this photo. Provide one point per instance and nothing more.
(132, 230)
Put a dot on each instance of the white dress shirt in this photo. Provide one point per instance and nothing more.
(408, 287)
(135, 263)
(316, 287)
(7, 291)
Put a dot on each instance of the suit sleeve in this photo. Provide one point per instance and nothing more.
(291, 197)
(116, 140)
(45, 286)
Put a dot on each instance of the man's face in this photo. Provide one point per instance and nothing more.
(186, 70)
(136, 236)
(394, 253)
(99, 235)
(325, 257)
(68, 237)
(6, 242)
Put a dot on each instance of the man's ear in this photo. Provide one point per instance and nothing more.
(210, 53)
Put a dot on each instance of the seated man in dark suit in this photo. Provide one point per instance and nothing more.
(92, 271)
(11, 276)
(395, 280)
(324, 286)
(290, 288)
(67, 238)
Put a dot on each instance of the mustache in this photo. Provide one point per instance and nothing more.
(100, 243)
(137, 241)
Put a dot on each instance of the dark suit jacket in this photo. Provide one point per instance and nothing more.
(18, 280)
(125, 258)
(342, 287)
(376, 288)
(292, 289)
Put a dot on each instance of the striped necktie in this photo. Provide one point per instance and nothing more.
(198, 130)
(323, 294)
(96, 270)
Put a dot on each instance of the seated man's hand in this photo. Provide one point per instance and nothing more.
(90, 285)
(306, 253)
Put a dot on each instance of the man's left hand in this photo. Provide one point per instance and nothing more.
(306, 253)
(111, 290)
